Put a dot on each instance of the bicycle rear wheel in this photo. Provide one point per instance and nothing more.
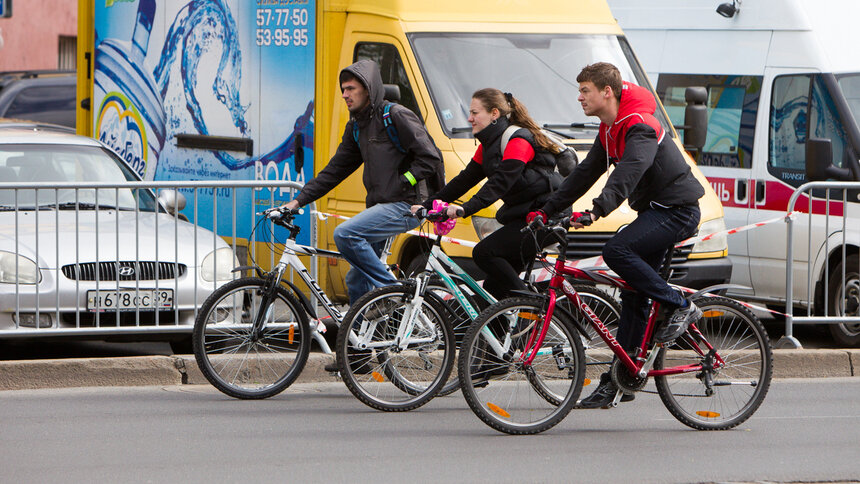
(239, 362)
(726, 395)
(379, 371)
(504, 393)
(459, 320)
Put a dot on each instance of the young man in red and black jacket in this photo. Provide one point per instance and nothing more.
(650, 172)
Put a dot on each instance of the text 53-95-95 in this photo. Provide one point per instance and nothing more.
(282, 27)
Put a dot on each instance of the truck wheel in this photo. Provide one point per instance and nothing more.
(417, 264)
(845, 303)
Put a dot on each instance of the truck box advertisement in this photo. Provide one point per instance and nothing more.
(181, 88)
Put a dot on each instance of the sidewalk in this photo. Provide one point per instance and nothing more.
(182, 370)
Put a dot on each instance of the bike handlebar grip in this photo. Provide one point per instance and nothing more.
(460, 212)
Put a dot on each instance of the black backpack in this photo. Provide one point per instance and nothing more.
(434, 183)
(565, 160)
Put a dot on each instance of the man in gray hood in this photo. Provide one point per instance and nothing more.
(394, 179)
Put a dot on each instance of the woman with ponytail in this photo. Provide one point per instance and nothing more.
(521, 175)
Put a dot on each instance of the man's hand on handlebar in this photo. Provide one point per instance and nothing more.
(537, 214)
(291, 207)
(579, 220)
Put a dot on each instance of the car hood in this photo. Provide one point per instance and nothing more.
(105, 235)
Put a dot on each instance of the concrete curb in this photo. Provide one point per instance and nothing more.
(182, 369)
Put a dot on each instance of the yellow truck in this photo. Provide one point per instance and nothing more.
(229, 89)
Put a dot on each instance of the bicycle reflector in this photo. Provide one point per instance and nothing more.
(526, 315)
(376, 376)
(713, 314)
(707, 414)
(497, 409)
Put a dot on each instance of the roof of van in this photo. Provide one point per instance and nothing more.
(513, 11)
(702, 14)
(817, 35)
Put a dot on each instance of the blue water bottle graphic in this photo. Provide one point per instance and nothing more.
(130, 117)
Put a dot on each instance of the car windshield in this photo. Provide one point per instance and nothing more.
(538, 69)
(39, 163)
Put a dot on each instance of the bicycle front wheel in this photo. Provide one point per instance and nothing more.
(237, 359)
(506, 394)
(723, 394)
(598, 356)
(388, 362)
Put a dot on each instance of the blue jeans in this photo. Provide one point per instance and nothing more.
(636, 253)
(361, 240)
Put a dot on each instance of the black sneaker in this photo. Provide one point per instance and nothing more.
(603, 395)
(487, 368)
(681, 319)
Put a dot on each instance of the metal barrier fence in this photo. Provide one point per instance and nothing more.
(828, 284)
(105, 258)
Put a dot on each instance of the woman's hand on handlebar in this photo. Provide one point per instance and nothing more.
(454, 211)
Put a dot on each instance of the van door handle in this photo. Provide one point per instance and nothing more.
(759, 191)
(741, 189)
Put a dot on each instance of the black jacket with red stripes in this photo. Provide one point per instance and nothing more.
(520, 177)
(649, 168)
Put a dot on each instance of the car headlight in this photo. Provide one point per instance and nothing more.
(27, 271)
(714, 244)
(218, 265)
(485, 226)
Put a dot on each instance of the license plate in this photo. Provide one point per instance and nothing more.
(130, 300)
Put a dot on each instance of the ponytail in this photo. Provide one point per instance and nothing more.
(516, 112)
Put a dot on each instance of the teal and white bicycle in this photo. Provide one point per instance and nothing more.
(445, 287)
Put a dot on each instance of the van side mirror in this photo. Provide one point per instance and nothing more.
(392, 93)
(819, 161)
(695, 117)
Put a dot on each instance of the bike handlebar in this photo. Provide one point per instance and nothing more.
(423, 213)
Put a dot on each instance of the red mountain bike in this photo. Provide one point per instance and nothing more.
(522, 363)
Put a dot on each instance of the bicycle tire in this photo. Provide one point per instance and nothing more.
(500, 390)
(459, 320)
(236, 362)
(598, 357)
(740, 385)
(386, 377)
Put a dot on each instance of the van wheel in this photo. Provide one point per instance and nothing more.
(182, 346)
(845, 303)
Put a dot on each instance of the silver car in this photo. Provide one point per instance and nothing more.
(95, 261)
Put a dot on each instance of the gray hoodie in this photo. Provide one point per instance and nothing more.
(384, 164)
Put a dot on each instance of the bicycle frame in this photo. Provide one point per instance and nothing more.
(290, 258)
(642, 366)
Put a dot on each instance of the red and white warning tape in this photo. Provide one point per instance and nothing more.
(597, 263)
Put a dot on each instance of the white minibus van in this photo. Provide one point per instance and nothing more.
(782, 76)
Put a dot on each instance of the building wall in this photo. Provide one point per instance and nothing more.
(30, 39)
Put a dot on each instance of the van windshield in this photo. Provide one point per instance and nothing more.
(538, 69)
(850, 86)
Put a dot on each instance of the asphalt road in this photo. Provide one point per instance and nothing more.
(38, 349)
(806, 430)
